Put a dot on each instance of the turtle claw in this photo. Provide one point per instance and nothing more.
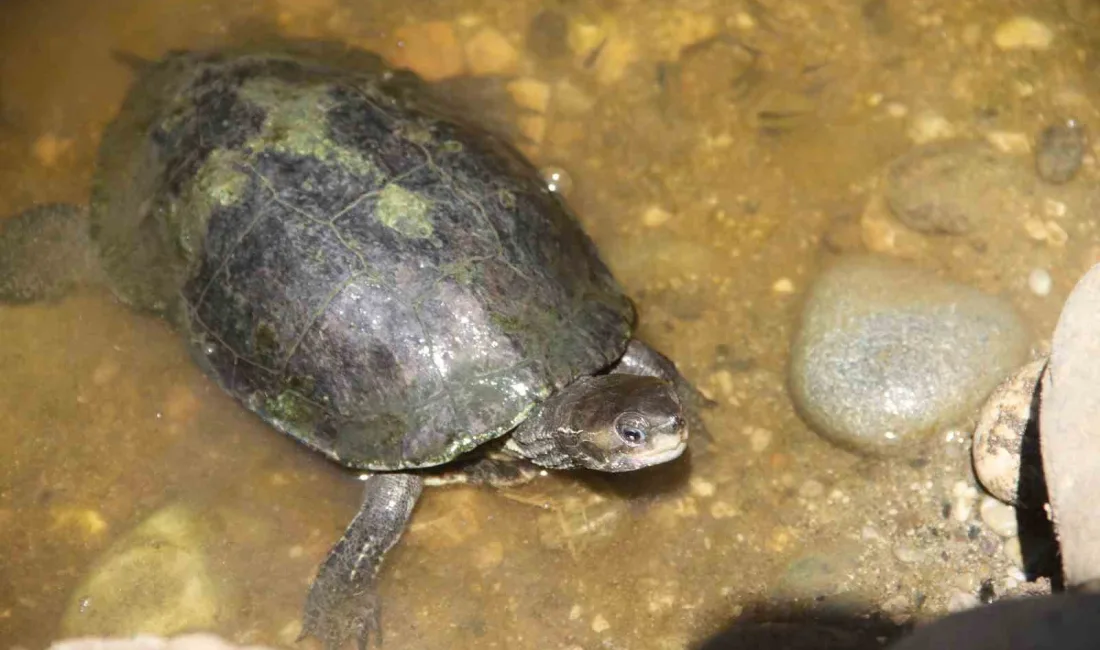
(336, 617)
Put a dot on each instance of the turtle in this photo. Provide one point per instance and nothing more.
(368, 270)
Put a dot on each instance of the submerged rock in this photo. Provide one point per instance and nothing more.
(155, 580)
(1060, 151)
(886, 354)
(950, 187)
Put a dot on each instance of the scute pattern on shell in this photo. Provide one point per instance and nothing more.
(386, 284)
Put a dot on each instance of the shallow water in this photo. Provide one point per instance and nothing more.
(719, 152)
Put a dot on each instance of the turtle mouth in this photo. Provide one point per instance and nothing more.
(665, 455)
(655, 457)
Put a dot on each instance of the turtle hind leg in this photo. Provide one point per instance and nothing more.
(45, 252)
(343, 600)
(640, 359)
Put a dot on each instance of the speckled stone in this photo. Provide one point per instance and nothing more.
(887, 354)
(1001, 445)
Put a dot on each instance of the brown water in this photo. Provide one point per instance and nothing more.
(720, 151)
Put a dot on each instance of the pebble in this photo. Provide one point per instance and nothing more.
(701, 487)
(759, 439)
(429, 49)
(1054, 207)
(928, 127)
(88, 523)
(783, 285)
(886, 354)
(1039, 282)
(488, 52)
(600, 624)
(1046, 231)
(722, 510)
(946, 187)
(531, 94)
(571, 100)
(1000, 517)
(1059, 152)
(963, 497)
(655, 216)
(999, 438)
(1010, 142)
(1023, 33)
(896, 110)
(908, 554)
(881, 232)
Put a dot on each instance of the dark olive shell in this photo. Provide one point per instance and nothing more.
(360, 268)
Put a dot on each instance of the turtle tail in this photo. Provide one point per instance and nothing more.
(45, 252)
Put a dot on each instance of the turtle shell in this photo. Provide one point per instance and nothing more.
(362, 269)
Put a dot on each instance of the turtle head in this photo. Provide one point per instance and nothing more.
(610, 423)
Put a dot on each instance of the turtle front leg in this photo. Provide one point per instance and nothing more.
(493, 467)
(343, 600)
(640, 359)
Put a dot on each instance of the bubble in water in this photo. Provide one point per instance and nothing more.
(557, 180)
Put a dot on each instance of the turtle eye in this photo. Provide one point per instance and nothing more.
(632, 429)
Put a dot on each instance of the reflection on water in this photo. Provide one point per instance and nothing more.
(717, 153)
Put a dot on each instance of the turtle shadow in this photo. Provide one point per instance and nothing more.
(779, 626)
(1038, 541)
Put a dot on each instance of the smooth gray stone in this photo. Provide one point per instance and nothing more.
(887, 354)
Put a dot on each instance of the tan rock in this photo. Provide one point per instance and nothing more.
(571, 100)
(490, 53)
(531, 94)
(533, 127)
(50, 149)
(429, 49)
